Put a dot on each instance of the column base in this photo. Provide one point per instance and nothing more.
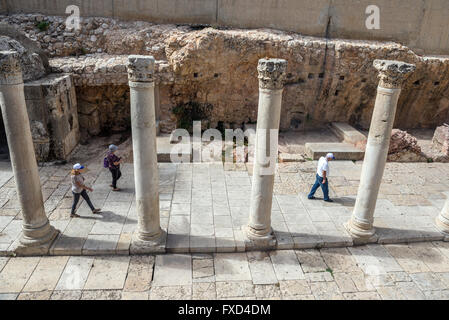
(257, 241)
(442, 226)
(142, 244)
(360, 233)
(29, 246)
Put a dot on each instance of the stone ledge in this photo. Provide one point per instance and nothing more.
(104, 69)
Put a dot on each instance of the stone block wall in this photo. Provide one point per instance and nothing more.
(52, 109)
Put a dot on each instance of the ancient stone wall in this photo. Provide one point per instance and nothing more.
(213, 72)
(419, 24)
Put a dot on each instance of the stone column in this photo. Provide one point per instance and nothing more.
(442, 221)
(391, 74)
(37, 233)
(143, 125)
(271, 83)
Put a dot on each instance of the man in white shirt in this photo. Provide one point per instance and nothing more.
(322, 173)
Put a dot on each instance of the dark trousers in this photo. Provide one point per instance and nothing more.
(116, 174)
(324, 186)
(76, 198)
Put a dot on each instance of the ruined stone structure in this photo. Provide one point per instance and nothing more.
(50, 101)
(327, 80)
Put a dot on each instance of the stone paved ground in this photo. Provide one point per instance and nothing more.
(204, 206)
(414, 271)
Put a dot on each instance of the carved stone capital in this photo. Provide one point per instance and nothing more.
(393, 73)
(10, 70)
(272, 73)
(140, 68)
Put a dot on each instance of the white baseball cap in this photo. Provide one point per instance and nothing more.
(330, 155)
(78, 167)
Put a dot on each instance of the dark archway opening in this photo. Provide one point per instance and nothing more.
(4, 151)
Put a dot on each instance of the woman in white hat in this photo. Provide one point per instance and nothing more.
(79, 189)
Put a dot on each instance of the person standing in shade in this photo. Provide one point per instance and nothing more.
(79, 189)
(322, 174)
(114, 166)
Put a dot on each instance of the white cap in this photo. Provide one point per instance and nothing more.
(113, 147)
(330, 155)
(78, 166)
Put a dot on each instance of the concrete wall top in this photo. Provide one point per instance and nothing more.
(419, 24)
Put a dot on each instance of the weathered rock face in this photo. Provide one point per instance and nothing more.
(327, 80)
(440, 140)
(31, 63)
(404, 147)
(103, 108)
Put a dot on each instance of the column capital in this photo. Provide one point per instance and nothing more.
(140, 68)
(10, 70)
(272, 73)
(393, 73)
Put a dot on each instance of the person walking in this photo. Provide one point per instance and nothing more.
(114, 166)
(322, 174)
(79, 189)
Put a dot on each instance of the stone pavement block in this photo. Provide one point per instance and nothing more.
(286, 265)
(267, 291)
(437, 295)
(16, 273)
(335, 238)
(203, 270)
(428, 281)
(140, 271)
(344, 282)
(410, 291)
(40, 295)
(3, 261)
(4, 221)
(231, 267)
(204, 291)
(374, 258)
(101, 295)
(311, 260)
(8, 296)
(339, 259)
(123, 243)
(307, 241)
(284, 240)
(99, 244)
(291, 288)
(134, 295)
(75, 273)
(407, 259)
(172, 269)
(107, 273)
(46, 274)
(326, 291)
(178, 243)
(431, 256)
(368, 295)
(261, 268)
(234, 289)
(391, 293)
(319, 276)
(202, 244)
(179, 292)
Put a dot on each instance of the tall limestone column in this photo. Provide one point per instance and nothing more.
(37, 233)
(143, 125)
(271, 84)
(391, 74)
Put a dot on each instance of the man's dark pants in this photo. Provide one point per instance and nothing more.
(116, 174)
(319, 183)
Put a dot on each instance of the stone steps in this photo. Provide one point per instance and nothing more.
(348, 134)
(341, 151)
